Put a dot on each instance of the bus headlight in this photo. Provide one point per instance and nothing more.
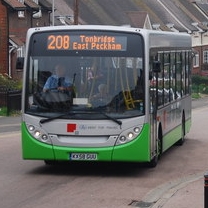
(136, 129)
(44, 137)
(38, 133)
(128, 135)
(122, 139)
(31, 128)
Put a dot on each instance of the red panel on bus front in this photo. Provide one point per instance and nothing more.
(71, 127)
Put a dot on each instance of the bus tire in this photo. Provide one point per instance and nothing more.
(153, 163)
(160, 142)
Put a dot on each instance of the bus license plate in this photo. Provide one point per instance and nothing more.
(83, 156)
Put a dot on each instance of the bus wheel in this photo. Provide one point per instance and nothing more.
(159, 151)
(154, 161)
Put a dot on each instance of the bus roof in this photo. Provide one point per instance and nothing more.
(156, 38)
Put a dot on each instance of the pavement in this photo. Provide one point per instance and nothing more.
(189, 196)
(187, 192)
(183, 193)
(10, 123)
(192, 192)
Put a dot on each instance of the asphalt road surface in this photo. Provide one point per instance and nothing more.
(26, 184)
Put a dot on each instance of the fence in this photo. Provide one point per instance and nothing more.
(10, 99)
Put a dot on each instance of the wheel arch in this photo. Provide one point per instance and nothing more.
(160, 137)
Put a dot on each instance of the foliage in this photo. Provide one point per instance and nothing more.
(196, 95)
(3, 111)
(9, 83)
(9, 86)
(196, 79)
(199, 84)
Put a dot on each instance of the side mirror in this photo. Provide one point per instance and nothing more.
(156, 66)
(20, 63)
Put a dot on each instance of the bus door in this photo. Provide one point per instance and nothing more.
(154, 99)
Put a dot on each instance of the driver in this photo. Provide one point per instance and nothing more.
(58, 81)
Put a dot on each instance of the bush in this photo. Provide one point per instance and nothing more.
(199, 84)
(203, 88)
(10, 95)
(9, 83)
(196, 79)
(3, 111)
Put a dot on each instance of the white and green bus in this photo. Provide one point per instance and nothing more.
(129, 100)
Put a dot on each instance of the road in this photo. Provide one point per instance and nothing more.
(26, 184)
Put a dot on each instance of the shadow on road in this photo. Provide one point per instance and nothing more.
(93, 169)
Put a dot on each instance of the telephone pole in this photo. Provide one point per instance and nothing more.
(53, 13)
(76, 12)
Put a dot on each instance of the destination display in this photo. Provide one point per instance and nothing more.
(86, 42)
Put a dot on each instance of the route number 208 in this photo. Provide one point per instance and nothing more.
(58, 42)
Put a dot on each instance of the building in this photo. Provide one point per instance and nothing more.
(16, 16)
(189, 16)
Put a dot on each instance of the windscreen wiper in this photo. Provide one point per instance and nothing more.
(99, 110)
(45, 120)
(111, 118)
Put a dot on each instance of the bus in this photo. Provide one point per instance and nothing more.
(129, 100)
